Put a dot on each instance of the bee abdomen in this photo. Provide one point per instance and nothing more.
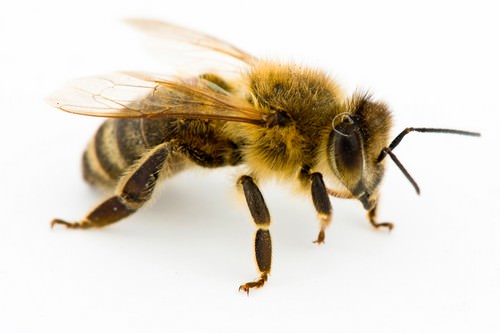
(117, 144)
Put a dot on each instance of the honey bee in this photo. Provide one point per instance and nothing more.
(278, 120)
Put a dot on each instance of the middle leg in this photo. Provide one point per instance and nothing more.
(262, 220)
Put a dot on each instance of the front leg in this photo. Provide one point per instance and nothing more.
(262, 220)
(322, 204)
(372, 217)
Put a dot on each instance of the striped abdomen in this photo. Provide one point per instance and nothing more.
(117, 145)
(120, 143)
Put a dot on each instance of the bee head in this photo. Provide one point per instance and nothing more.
(358, 144)
(360, 131)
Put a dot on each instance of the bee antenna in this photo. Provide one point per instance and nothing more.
(388, 150)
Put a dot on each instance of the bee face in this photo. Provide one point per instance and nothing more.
(358, 135)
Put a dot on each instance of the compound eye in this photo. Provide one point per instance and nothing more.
(347, 150)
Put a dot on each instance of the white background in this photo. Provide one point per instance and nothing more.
(177, 264)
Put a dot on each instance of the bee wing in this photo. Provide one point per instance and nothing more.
(191, 51)
(141, 95)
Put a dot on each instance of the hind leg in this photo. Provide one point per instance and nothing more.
(134, 189)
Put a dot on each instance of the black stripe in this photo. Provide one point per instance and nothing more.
(158, 131)
(103, 145)
(91, 175)
(129, 139)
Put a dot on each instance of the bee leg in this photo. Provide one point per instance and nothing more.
(322, 204)
(133, 191)
(372, 217)
(262, 220)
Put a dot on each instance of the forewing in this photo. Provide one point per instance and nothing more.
(141, 95)
(190, 51)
